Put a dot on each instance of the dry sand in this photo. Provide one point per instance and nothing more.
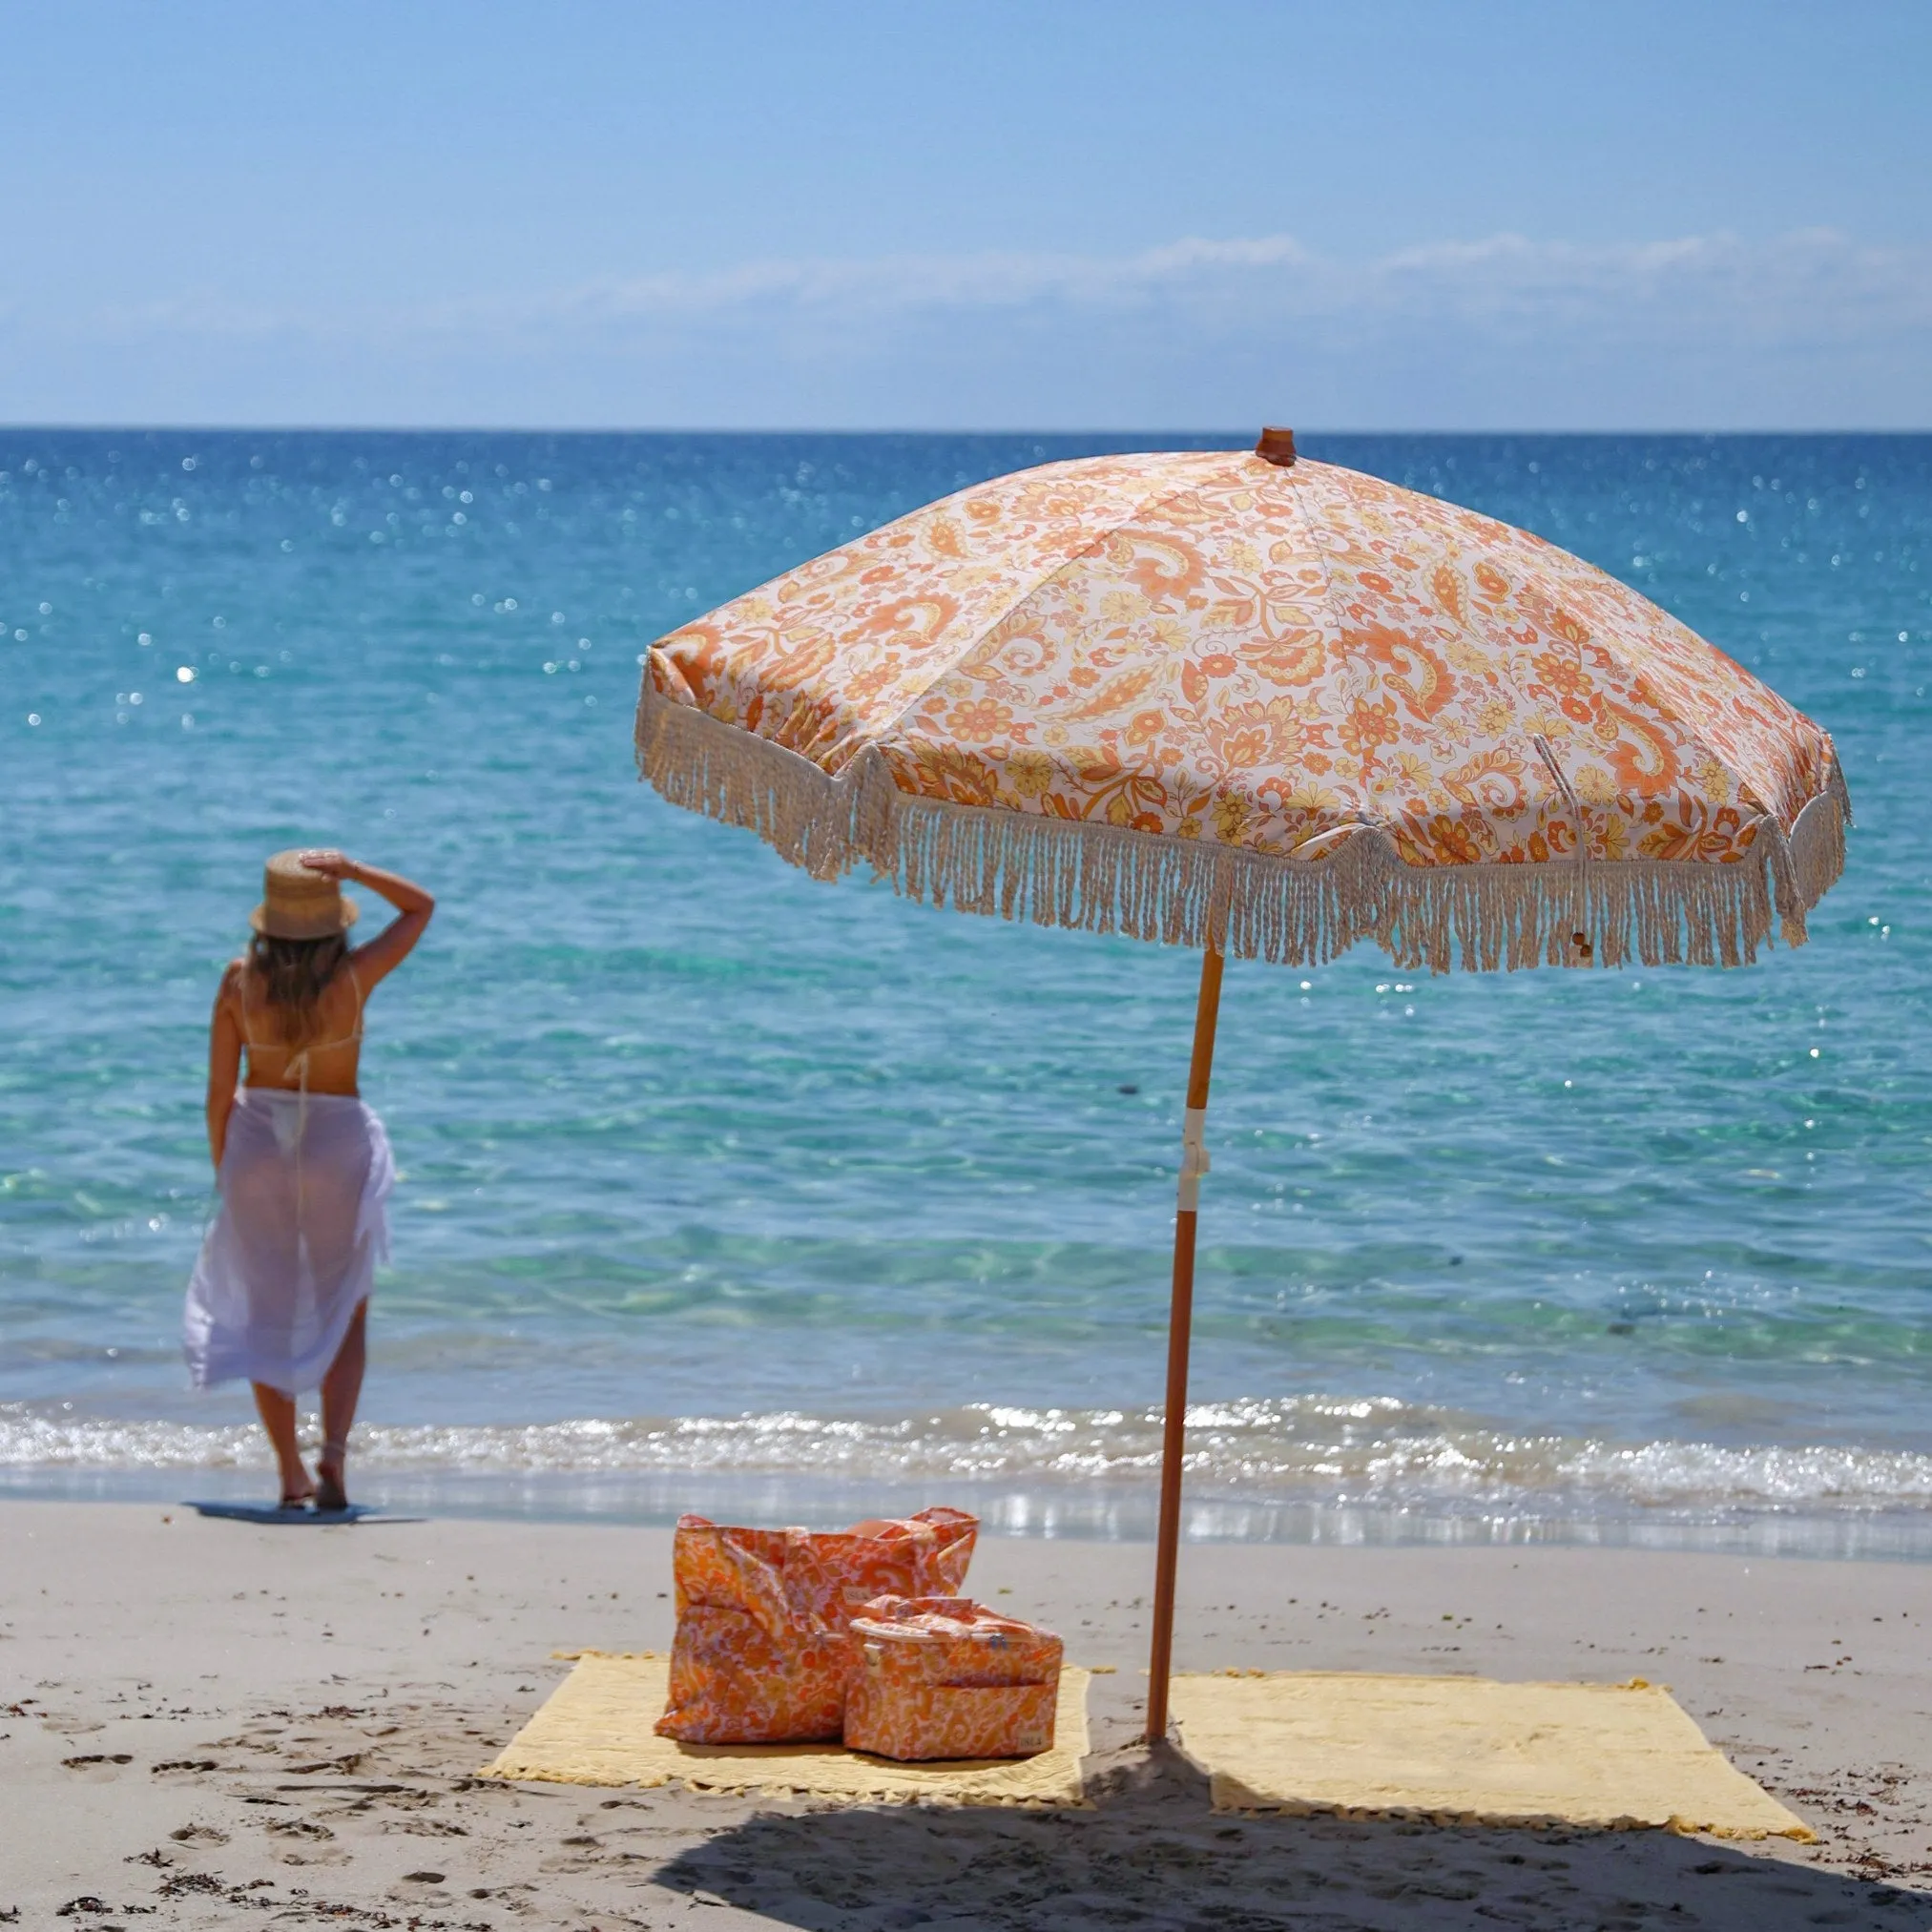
(217, 1724)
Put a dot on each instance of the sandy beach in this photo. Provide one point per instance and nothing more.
(212, 1723)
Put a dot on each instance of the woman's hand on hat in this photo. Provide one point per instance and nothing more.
(329, 862)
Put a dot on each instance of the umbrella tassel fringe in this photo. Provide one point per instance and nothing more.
(1110, 879)
(742, 780)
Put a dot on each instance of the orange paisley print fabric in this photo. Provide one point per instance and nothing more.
(761, 1653)
(944, 1677)
(1205, 647)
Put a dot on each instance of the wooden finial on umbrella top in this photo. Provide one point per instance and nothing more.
(1276, 447)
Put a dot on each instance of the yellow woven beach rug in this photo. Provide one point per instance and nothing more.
(596, 1728)
(1467, 1750)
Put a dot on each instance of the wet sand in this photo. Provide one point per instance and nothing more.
(212, 1724)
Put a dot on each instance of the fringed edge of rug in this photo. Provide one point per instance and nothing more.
(1108, 879)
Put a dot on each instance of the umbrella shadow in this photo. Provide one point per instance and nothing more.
(1150, 1853)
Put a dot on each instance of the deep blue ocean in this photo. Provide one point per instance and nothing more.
(728, 1189)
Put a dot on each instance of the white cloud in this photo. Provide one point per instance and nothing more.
(1796, 282)
(1807, 328)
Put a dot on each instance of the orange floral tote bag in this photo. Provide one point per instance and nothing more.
(761, 1655)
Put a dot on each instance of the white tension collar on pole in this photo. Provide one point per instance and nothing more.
(1195, 1161)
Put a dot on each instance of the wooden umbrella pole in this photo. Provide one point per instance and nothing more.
(1180, 1329)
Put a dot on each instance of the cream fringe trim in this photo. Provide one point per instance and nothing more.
(1077, 873)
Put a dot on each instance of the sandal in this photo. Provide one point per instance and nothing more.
(331, 1499)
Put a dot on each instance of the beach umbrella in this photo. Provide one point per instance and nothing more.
(1262, 707)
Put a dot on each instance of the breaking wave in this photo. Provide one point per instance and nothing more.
(1379, 1451)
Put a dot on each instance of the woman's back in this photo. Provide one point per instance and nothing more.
(327, 1036)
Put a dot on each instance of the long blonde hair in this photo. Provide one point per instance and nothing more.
(295, 974)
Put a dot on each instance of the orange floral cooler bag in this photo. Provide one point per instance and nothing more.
(946, 1677)
(761, 1653)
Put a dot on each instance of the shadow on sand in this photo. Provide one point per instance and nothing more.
(1151, 1854)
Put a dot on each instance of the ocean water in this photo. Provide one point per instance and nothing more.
(723, 1188)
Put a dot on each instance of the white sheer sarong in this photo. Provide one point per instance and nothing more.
(292, 1254)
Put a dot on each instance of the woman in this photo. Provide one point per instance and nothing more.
(281, 1289)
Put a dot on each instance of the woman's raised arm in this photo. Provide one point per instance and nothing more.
(381, 955)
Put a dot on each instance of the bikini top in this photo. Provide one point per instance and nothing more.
(296, 1072)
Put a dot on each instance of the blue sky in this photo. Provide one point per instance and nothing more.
(1454, 214)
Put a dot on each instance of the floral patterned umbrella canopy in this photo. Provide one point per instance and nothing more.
(1260, 706)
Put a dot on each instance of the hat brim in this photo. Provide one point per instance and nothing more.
(285, 925)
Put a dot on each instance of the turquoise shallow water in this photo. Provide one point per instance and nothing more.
(722, 1186)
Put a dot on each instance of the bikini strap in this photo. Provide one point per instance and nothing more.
(299, 1060)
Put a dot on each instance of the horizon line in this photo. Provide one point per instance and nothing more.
(198, 429)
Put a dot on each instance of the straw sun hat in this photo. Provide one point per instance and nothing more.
(297, 904)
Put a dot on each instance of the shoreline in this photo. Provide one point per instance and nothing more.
(201, 1708)
(1291, 1468)
(1110, 1512)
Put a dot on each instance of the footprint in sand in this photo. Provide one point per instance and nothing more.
(312, 1836)
(298, 1828)
(580, 1854)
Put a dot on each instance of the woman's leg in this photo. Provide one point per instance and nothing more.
(278, 1417)
(342, 1388)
